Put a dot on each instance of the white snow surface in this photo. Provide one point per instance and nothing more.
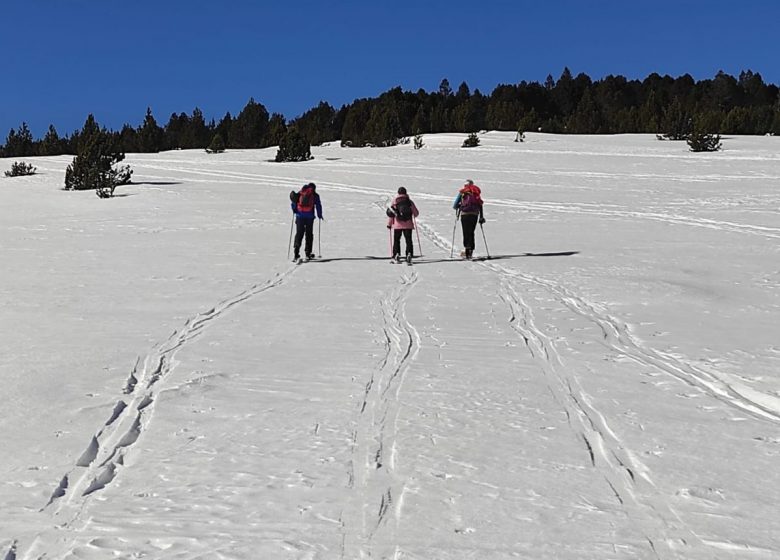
(607, 386)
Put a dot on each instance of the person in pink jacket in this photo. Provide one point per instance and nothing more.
(401, 215)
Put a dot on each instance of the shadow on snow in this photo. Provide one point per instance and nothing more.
(423, 260)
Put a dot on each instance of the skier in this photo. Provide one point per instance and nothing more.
(468, 205)
(401, 215)
(304, 204)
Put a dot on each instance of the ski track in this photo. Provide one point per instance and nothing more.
(617, 336)
(108, 450)
(604, 210)
(627, 476)
(371, 523)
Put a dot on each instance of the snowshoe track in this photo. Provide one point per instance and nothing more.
(376, 489)
(108, 450)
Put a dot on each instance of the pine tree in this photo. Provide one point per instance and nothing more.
(51, 145)
(250, 127)
(676, 124)
(150, 135)
(472, 141)
(277, 128)
(702, 141)
(444, 88)
(293, 147)
(94, 165)
(19, 142)
(217, 145)
(20, 169)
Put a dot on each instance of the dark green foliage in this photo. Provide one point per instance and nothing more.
(217, 145)
(472, 141)
(704, 142)
(418, 141)
(19, 143)
(250, 127)
(19, 169)
(574, 104)
(94, 165)
(318, 124)
(150, 135)
(293, 147)
(676, 123)
(52, 144)
(277, 128)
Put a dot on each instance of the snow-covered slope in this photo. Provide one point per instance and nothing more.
(606, 386)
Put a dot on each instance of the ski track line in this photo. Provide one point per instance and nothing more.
(376, 504)
(627, 477)
(572, 208)
(105, 456)
(618, 337)
(722, 386)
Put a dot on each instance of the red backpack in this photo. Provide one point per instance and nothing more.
(306, 199)
(470, 199)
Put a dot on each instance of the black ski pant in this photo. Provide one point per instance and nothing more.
(469, 224)
(407, 233)
(304, 227)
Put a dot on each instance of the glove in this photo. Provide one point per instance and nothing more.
(389, 226)
(481, 221)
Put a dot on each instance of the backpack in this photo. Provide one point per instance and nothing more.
(403, 209)
(470, 199)
(305, 202)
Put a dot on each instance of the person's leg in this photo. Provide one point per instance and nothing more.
(469, 227)
(408, 238)
(299, 231)
(396, 242)
(309, 237)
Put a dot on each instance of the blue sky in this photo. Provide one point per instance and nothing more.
(65, 59)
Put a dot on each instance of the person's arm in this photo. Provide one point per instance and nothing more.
(415, 211)
(318, 205)
(456, 204)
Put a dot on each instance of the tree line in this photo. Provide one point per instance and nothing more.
(570, 105)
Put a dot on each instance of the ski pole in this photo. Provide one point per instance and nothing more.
(454, 227)
(485, 240)
(419, 245)
(292, 222)
(319, 237)
(390, 232)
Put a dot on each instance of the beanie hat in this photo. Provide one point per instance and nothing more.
(401, 190)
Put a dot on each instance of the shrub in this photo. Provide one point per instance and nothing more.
(418, 141)
(472, 141)
(19, 169)
(704, 142)
(93, 166)
(520, 136)
(217, 145)
(293, 147)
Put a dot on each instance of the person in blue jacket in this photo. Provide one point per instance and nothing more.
(304, 204)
